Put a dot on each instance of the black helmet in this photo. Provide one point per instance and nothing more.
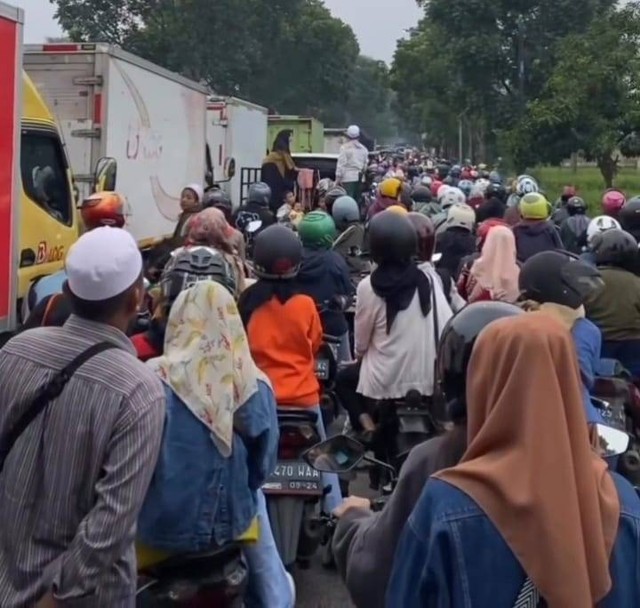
(421, 194)
(629, 215)
(260, 194)
(216, 198)
(443, 171)
(332, 196)
(277, 253)
(190, 265)
(392, 238)
(558, 277)
(576, 206)
(614, 248)
(456, 344)
(496, 190)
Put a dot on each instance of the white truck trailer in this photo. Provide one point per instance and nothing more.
(112, 104)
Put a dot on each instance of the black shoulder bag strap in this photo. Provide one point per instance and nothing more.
(47, 393)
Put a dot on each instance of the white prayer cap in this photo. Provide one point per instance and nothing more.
(103, 263)
(197, 189)
(353, 132)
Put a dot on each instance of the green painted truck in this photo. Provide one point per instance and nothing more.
(308, 133)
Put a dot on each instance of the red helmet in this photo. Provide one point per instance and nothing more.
(426, 235)
(435, 186)
(612, 202)
(482, 231)
(104, 209)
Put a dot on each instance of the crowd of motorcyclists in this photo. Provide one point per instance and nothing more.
(494, 304)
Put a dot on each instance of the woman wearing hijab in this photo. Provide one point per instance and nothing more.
(211, 229)
(279, 171)
(531, 512)
(494, 275)
(400, 314)
(219, 445)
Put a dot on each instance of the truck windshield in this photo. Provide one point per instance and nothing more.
(44, 174)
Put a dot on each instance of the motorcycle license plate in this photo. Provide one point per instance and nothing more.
(294, 477)
(322, 369)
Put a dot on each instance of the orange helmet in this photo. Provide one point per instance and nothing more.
(399, 209)
(104, 209)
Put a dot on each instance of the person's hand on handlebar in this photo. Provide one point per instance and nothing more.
(352, 502)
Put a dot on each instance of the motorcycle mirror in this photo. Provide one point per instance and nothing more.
(611, 442)
(436, 257)
(254, 226)
(339, 454)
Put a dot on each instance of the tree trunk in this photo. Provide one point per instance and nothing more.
(608, 168)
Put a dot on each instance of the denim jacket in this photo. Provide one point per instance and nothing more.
(197, 498)
(452, 556)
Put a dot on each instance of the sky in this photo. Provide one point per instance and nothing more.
(377, 23)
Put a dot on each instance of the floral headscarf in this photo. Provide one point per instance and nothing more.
(210, 228)
(206, 359)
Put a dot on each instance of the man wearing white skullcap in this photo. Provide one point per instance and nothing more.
(80, 463)
(352, 163)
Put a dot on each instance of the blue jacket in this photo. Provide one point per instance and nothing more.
(324, 275)
(451, 555)
(588, 342)
(197, 498)
(535, 236)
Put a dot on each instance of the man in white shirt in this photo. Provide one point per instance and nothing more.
(352, 163)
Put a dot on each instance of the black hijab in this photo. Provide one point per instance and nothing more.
(261, 292)
(396, 284)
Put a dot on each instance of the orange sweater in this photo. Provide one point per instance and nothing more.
(284, 340)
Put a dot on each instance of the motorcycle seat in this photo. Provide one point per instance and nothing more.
(194, 565)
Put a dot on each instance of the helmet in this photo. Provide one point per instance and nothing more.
(277, 253)
(260, 194)
(456, 344)
(576, 206)
(612, 202)
(317, 230)
(216, 198)
(482, 184)
(189, 265)
(525, 184)
(483, 230)
(629, 216)
(455, 171)
(602, 223)
(399, 209)
(390, 188)
(476, 197)
(460, 216)
(558, 277)
(426, 181)
(465, 185)
(426, 235)
(405, 196)
(104, 209)
(443, 188)
(435, 187)
(452, 196)
(392, 238)
(345, 211)
(421, 194)
(443, 170)
(495, 177)
(614, 248)
(534, 207)
(324, 185)
(496, 190)
(332, 196)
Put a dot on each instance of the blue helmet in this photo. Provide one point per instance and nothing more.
(466, 185)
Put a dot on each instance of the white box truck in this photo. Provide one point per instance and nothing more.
(110, 103)
(236, 135)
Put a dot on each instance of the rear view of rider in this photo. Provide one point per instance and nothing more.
(535, 233)
(613, 202)
(284, 329)
(350, 241)
(255, 209)
(46, 301)
(573, 230)
(423, 201)
(219, 199)
(388, 195)
(602, 223)
(396, 330)
(457, 240)
(615, 308)
(324, 276)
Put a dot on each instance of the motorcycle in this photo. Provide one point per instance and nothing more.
(217, 577)
(326, 372)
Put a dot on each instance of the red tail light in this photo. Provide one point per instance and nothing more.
(296, 439)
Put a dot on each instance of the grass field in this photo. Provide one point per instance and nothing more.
(587, 181)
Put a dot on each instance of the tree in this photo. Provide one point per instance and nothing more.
(591, 102)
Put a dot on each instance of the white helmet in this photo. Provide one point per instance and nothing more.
(602, 223)
(453, 196)
(461, 216)
(482, 185)
(442, 190)
(525, 184)
(426, 181)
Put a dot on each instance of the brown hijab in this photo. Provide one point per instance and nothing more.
(529, 464)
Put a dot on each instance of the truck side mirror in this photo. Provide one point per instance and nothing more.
(229, 168)
(104, 178)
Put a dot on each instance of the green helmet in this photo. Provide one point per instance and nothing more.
(317, 230)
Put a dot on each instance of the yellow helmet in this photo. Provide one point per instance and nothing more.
(390, 188)
(534, 206)
(399, 209)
